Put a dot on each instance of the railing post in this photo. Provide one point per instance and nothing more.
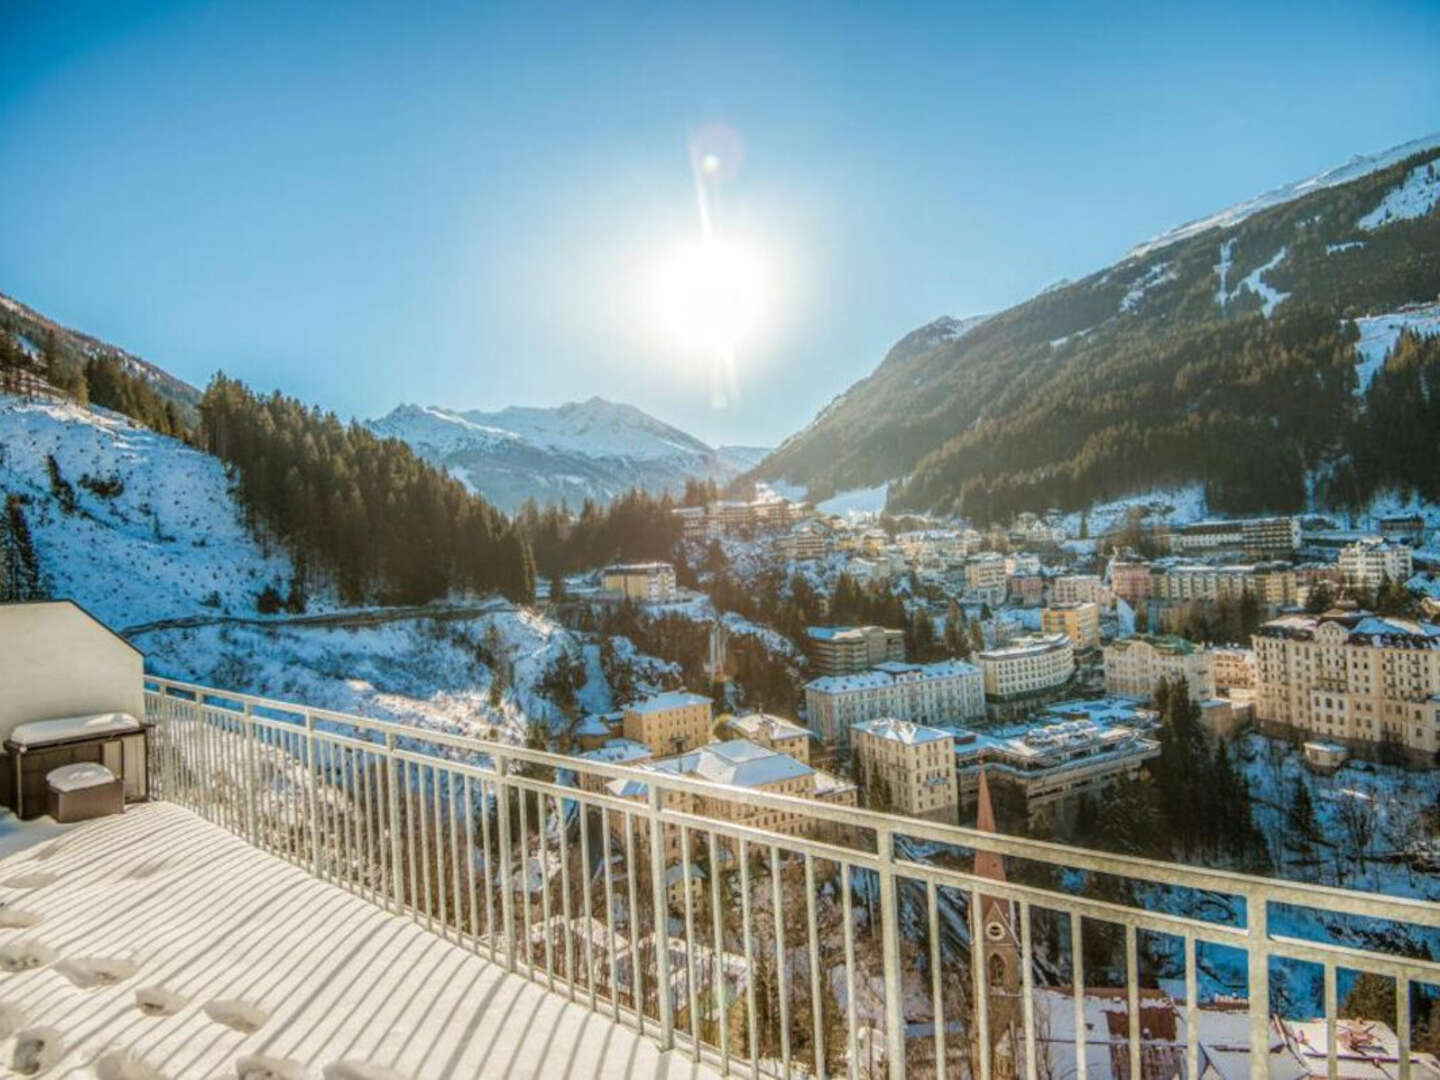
(1256, 918)
(507, 915)
(890, 940)
(248, 726)
(313, 766)
(662, 917)
(397, 853)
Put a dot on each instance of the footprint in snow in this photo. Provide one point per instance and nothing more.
(259, 1067)
(16, 919)
(36, 1049)
(25, 956)
(35, 880)
(360, 1070)
(12, 1019)
(124, 1065)
(93, 971)
(157, 1001)
(240, 1015)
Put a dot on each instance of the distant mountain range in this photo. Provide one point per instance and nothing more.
(1241, 352)
(593, 449)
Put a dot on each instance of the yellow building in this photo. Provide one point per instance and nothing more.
(647, 583)
(912, 764)
(669, 723)
(1080, 622)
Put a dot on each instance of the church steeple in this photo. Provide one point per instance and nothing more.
(999, 948)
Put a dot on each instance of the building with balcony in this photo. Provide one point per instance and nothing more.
(1371, 562)
(1080, 622)
(1032, 664)
(1351, 677)
(912, 764)
(669, 723)
(1403, 529)
(1232, 668)
(1079, 589)
(844, 650)
(945, 692)
(1130, 579)
(986, 578)
(1135, 666)
(646, 583)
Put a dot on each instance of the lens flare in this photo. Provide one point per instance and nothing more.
(710, 294)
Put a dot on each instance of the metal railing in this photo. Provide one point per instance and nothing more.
(837, 941)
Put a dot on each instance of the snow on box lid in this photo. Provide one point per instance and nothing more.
(43, 732)
(79, 776)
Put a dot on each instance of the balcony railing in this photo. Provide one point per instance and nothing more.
(842, 943)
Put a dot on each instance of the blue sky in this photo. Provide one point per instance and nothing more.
(363, 205)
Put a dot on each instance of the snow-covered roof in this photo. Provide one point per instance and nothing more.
(771, 727)
(618, 752)
(41, 732)
(901, 731)
(671, 699)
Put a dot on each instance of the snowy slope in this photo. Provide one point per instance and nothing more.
(168, 543)
(1357, 166)
(594, 449)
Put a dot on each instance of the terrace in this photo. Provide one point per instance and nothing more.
(419, 904)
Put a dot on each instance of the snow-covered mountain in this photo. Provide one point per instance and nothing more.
(1357, 166)
(593, 449)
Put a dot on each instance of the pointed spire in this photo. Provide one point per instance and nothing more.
(988, 864)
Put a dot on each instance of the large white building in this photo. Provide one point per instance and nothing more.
(1371, 562)
(986, 577)
(1027, 665)
(914, 764)
(1134, 666)
(1079, 589)
(1357, 677)
(946, 692)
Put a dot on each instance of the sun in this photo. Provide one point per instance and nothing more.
(710, 294)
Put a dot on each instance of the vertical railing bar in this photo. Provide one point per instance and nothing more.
(468, 794)
(717, 956)
(1132, 996)
(782, 975)
(566, 906)
(367, 833)
(587, 901)
(392, 798)
(1402, 1022)
(437, 777)
(748, 942)
(502, 812)
(848, 915)
(637, 989)
(660, 913)
(1077, 966)
(350, 821)
(544, 859)
(890, 953)
(522, 800)
(982, 996)
(1257, 928)
(411, 826)
(937, 1004)
(422, 812)
(1027, 988)
(311, 764)
(488, 865)
(1192, 1011)
(691, 995)
(812, 929)
(610, 913)
(1332, 1010)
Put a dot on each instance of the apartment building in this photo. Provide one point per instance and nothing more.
(669, 723)
(1080, 622)
(1371, 562)
(1258, 538)
(1403, 529)
(1134, 666)
(1027, 590)
(1233, 668)
(945, 692)
(1130, 579)
(986, 577)
(1079, 589)
(771, 732)
(1272, 584)
(843, 650)
(1027, 665)
(912, 763)
(729, 517)
(646, 583)
(805, 541)
(1052, 764)
(1351, 676)
(743, 764)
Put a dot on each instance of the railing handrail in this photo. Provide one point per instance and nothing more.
(1154, 871)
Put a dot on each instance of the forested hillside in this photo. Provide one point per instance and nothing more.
(363, 511)
(1235, 356)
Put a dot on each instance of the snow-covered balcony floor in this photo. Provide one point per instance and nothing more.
(204, 916)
